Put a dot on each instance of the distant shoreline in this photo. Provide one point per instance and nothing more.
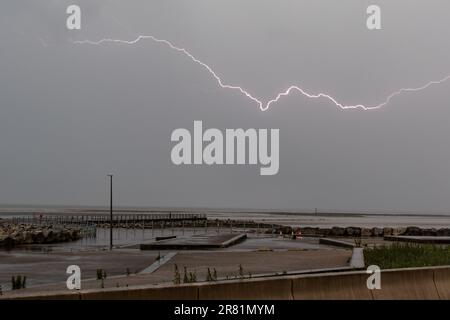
(25, 209)
(293, 219)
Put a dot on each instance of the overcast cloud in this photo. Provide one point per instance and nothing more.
(70, 114)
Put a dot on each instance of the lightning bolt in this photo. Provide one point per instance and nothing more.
(263, 105)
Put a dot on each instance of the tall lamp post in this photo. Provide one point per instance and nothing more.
(110, 212)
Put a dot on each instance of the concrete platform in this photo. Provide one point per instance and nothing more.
(195, 242)
(419, 239)
(337, 243)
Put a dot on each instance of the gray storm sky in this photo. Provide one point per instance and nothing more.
(70, 114)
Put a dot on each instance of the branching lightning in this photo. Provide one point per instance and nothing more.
(263, 105)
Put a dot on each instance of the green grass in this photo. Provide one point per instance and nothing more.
(405, 255)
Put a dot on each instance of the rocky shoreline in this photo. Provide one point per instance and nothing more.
(12, 234)
(363, 232)
(267, 228)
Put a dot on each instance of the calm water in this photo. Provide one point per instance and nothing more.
(121, 238)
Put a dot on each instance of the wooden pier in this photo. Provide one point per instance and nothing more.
(118, 219)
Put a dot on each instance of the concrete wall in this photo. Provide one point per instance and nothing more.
(412, 283)
(278, 288)
(408, 284)
(332, 286)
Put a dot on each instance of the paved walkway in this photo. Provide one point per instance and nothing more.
(226, 265)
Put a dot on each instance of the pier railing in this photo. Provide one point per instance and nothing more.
(95, 219)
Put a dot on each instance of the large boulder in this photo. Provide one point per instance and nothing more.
(398, 231)
(337, 232)
(413, 231)
(353, 231)
(429, 232)
(51, 236)
(75, 235)
(8, 242)
(377, 232)
(284, 230)
(443, 232)
(28, 238)
(366, 232)
(387, 231)
(309, 231)
(38, 237)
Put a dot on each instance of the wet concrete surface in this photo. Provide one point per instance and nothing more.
(195, 242)
(262, 253)
(47, 267)
(227, 265)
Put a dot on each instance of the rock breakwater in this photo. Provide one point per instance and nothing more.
(12, 234)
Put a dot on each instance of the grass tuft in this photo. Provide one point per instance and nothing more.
(407, 255)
